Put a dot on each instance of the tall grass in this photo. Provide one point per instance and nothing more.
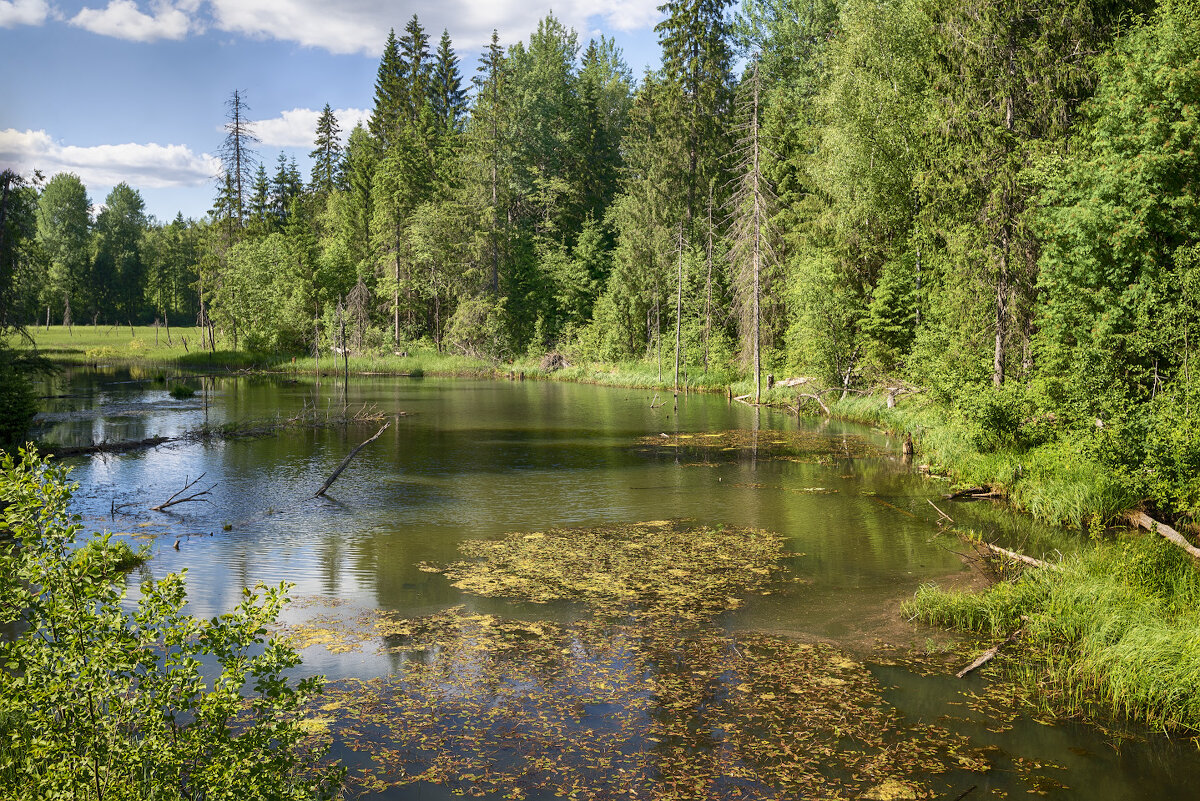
(1056, 482)
(1116, 631)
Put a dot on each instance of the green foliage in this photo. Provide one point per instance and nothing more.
(105, 701)
(181, 391)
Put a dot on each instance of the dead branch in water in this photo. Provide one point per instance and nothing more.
(332, 478)
(940, 512)
(175, 499)
(108, 447)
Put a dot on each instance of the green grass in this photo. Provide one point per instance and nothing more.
(1114, 633)
(115, 555)
(1055, 482)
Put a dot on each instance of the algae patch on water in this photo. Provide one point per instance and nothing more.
(654, 567)
(646, 698)
(641, 707)
(798, 446)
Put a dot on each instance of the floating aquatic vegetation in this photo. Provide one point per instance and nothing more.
(637, 708)
(796, 446)
(648, 698)
(654, 567)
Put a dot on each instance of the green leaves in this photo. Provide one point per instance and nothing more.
(108, 701)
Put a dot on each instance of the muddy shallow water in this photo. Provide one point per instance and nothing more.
(479, 460)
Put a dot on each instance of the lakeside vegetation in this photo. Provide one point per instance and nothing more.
(103, 699)
(990, 211)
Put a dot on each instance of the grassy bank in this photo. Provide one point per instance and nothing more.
(1114, 633)
(1056, 481)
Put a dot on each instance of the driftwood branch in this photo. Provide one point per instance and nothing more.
(1143, 520)
(817, 398)
(988, 655)
(333, 477)
(1018, 557)
(176, 499)
(940, 512)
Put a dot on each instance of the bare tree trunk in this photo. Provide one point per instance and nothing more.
(678, 307)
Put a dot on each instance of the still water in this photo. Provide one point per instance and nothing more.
(470, 459)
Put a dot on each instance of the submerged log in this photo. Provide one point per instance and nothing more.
(988, 655)
(109, 447)
(1143, 520)
(333, 477)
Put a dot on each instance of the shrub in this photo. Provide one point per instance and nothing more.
(103, 701)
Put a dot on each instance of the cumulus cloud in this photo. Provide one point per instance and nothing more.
(23, 12)
(123, 19)
(361, 26)
(297, 127)
(151, 166)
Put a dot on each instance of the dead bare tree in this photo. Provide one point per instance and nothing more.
(750, 207)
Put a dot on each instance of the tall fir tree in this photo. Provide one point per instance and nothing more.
(326, 154)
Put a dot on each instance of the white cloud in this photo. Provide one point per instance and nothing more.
(151, 166)
(298, 127)
(23, 12)
(123, 19)
(361, 26)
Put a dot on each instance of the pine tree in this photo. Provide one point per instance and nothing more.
(697, 55)
(751, 203)
(261, 206)
(416, 71)
(488, 121)
(238, 158)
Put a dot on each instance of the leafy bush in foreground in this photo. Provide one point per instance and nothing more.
(103, 700)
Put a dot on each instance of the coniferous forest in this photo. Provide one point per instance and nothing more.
(995, 204)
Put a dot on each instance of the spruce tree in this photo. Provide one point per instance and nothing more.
(447, 96)
(327, 155)
(389, 94)
(696, 53)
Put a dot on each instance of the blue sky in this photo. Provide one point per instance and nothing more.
(134, 90)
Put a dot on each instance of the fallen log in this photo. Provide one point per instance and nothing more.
(963, 493)
(110, 447)
(333, 477)
(1143, 520)
(988, 655)
(1018, 557)
(174, 500)
(815, 397)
